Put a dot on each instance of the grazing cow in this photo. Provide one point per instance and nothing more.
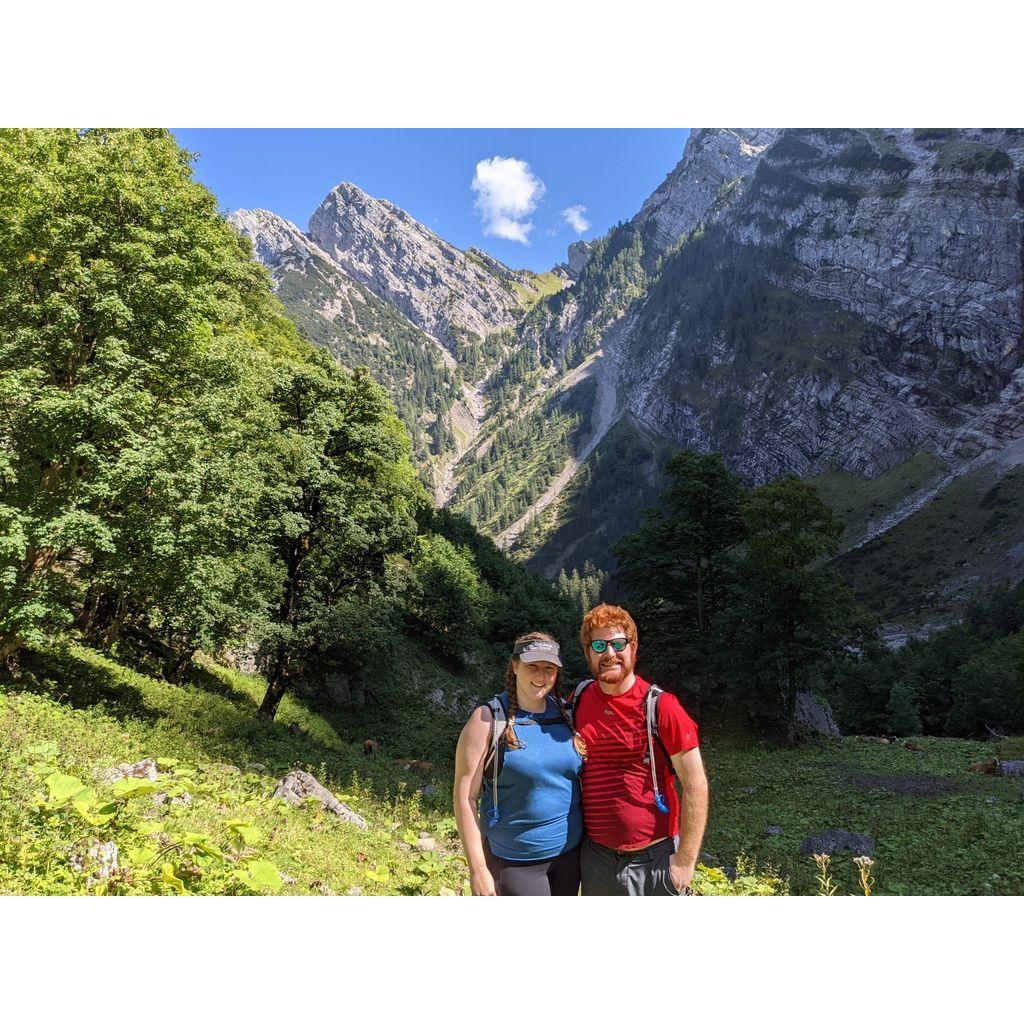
(370, 748)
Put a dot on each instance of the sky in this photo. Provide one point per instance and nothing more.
(522, 195)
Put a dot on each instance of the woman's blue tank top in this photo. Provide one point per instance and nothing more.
(539, 807)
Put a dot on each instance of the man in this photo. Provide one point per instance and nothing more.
(631, 844)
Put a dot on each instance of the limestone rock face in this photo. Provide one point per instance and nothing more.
(276, 242)
(898, 256)
(579, 257)
(710, 175)
(439, 288)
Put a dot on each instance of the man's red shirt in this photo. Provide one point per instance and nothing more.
(618, 793)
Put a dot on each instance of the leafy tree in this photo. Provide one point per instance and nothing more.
(794, 618)
(136, 340)
(350, 506)
(449, 602)
(680, 568)
(903, 717)
(989, 690)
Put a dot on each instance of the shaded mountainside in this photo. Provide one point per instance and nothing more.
(842, 304)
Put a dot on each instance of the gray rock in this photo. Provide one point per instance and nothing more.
(773, 830)
(579, 256)
(144, 769)
(297, 785)
(427, 790)
(814, 714)
(713, 169)
(1011, 767)
(99, 860)
(991, 800)
(426, 842)
(439, 288)
(832, 840)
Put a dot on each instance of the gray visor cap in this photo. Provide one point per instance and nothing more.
(537, 650)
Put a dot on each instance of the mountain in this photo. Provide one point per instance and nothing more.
(842, 304)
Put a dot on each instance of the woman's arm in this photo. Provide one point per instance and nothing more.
(469, 765)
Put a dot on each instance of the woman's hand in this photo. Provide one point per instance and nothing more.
(482, 883)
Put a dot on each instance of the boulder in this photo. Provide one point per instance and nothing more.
(773, 830)
(1011, 767)
(297, 785)
(814, 715)
(144, 769)
(832, 840)
(97, 859)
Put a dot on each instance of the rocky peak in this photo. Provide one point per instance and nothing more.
(275, 240)
(440, 288)
(707, 178)
(579, 256)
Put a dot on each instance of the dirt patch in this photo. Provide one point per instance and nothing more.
(907, 783)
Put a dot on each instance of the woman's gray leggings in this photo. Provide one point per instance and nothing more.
(559, 876)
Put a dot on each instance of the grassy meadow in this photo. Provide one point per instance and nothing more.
(209, 823)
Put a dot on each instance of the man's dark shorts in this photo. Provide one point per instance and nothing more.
(637, 873)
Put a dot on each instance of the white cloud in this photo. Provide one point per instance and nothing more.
(573, 216)
(507, 192)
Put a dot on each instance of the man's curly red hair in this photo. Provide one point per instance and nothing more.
(607, 615)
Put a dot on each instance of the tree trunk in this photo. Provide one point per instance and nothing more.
(276, 689)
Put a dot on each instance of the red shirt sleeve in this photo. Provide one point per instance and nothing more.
(677, 729)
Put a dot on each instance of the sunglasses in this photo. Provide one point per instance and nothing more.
(620, 643)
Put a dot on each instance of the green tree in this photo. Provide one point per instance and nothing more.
(349, 508)
(449, 602)
(793, 617)
(680, 567)
(137, 337)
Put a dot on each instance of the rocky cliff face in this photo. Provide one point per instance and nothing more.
(894, 263)
(439, 288)
(711, 174)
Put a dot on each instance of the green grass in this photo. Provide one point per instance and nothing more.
(953, 549)
(80, 713)
(858, 500)
(538, 286)
(951, 843)
(77, 713)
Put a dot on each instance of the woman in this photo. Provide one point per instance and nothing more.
(525, 841)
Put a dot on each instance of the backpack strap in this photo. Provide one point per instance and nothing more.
(496, 748)
(653, 697)
(574, 700)
(495, 759)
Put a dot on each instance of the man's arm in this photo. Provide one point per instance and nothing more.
(690, 770)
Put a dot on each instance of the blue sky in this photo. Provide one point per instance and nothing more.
(513, 207)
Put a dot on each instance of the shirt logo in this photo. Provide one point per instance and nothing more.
(608, 711)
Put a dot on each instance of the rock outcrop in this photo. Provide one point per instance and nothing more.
(439, 288)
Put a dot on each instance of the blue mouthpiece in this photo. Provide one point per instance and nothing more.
(659, 802)
(492, 816)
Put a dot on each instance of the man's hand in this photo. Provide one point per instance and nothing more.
(482, 883)
(681, 871)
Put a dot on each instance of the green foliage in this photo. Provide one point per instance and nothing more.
(137, 339)
(208, 824)
(369, 332)
(737, 607)
(680, 570)
(449, 602)
(583, 588)
(350, 508)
